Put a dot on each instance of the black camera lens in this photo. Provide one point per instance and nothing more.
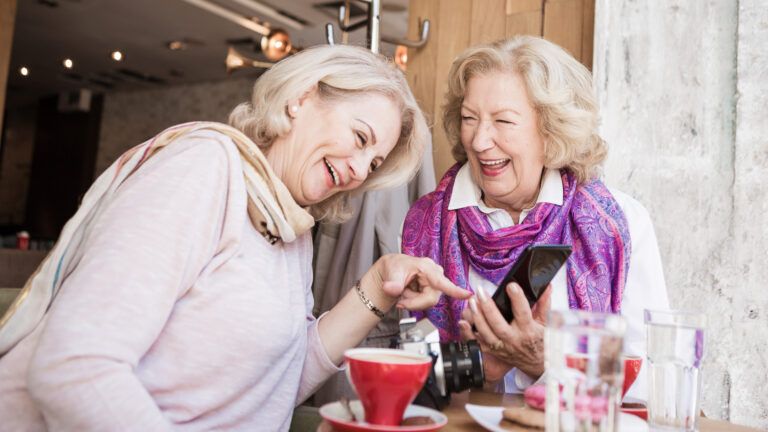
(462, 365)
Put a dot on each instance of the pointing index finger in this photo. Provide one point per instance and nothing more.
(442, 283)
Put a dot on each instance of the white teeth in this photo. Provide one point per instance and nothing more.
(494, 162)
(333, 172)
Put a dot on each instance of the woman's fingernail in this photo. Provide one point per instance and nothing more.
(473, 305)
(515, 287)
(481, 294)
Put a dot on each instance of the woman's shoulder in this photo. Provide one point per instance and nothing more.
(202, 150)
(635, 212)
(211, 142)
(428, 206)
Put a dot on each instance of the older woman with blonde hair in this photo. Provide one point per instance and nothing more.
(522, 118)
(178, 296)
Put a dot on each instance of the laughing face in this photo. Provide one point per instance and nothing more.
(334, 146)
(499, 131)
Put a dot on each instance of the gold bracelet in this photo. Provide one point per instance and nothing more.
(369, 304)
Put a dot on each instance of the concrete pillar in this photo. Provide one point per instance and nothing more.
(682, 86)
(749, 272)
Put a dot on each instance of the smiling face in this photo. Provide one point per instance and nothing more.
(334, 145)
(499, 131)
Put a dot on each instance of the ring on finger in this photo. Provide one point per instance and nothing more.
(497, 345)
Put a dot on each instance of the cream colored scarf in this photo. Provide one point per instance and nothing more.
(271, 208)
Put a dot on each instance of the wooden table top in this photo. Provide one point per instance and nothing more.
(459, 419)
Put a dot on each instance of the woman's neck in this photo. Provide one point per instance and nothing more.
(275, 155)
(515, 206)
(514, 209)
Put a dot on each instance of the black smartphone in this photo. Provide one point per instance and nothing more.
(533, 271)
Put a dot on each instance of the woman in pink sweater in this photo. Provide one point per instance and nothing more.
(178, 296)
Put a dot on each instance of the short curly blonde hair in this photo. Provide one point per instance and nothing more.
(560, 89)
(338, 72)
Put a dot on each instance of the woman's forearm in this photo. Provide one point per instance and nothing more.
(350, 321)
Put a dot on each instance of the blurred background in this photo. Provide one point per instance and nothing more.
(88, 79)
(681, 84)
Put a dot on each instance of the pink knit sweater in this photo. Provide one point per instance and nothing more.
(179, 315)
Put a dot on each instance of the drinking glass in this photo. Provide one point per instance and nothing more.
(584, 367)
(675, 352)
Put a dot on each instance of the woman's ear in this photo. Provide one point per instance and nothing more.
(292, 109)
(295, 105)
(307, 94)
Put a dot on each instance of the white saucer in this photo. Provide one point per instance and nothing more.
(489, 417)
(337, 416)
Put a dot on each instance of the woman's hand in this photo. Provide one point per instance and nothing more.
(413, 283)
(519, 343)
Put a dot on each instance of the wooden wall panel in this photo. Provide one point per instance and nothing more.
(517, 6)
(7, 18)
(422, 61)
(587, 32)
(488, 23)
(455, 20)
(524, 17)
(562, 24)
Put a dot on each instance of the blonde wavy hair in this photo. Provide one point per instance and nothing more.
(560, 89)
(338, 72)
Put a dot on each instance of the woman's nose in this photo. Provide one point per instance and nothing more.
(483, 138)
(358, 166)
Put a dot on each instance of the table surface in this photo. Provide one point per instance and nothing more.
(460, 420)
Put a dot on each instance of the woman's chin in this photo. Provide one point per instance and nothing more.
(312, 199)
(496, 188)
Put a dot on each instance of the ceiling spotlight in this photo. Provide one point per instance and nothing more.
(277, 45)
(401, 57)
(117, 56)
(24, 71)
(177, 45)
(235, 61)
(68, 63)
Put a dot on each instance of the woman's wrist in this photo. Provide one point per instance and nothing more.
(371, 287)
(533, 371)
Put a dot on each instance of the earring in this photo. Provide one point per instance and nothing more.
(294, 109)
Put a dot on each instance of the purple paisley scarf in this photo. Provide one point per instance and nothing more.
(590, 220)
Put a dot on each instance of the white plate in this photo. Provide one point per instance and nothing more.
(489, 417)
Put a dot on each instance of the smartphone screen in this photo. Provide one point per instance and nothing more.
(533, 271)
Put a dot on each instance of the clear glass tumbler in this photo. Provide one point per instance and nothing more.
(584, 367)
(675, 352)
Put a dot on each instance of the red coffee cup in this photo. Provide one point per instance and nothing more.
(22, 240)
(632, 366)
(386, 381)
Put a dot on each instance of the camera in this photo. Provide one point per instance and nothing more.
(456, 366)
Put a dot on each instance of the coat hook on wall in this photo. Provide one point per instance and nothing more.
(423, 36)
(348, 27)
(372, 23)
(329, 34)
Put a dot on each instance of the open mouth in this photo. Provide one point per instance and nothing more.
(332, 171)
(493, 167)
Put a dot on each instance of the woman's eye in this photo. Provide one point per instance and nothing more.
(505, 122)
(467, 118)
(362, 138)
